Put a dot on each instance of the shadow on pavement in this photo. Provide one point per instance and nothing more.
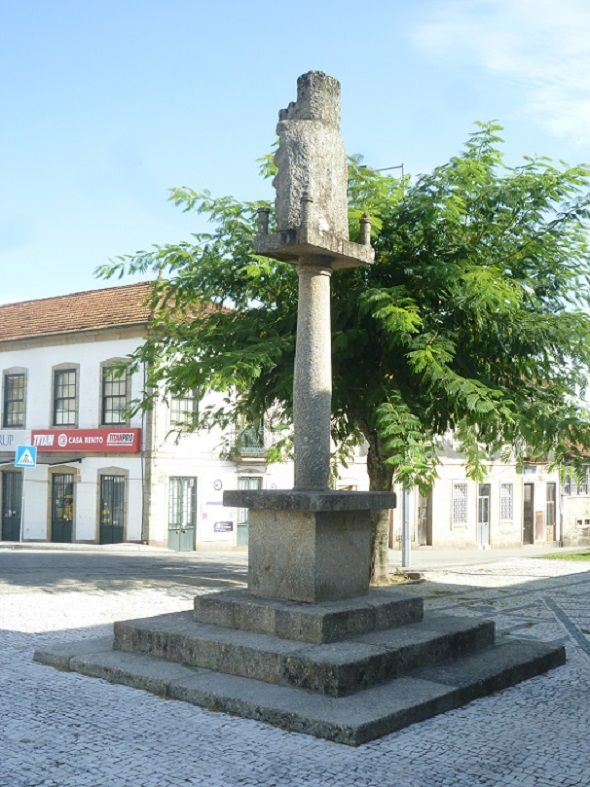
(58, 572)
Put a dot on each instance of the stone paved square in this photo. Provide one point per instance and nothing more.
(65, 730)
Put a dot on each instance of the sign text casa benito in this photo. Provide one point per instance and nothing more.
(103, 441)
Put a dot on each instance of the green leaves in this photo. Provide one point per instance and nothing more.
(474, 319)
(410, 450)
(397, 314)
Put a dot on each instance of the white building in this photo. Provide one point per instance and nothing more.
(507, 508)
(99, 477)
(103, 479)
(575, 503)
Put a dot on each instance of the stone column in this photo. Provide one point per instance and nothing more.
(312, 388)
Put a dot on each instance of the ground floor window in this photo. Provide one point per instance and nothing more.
(459, 504)
(506, 502)
(112, 509)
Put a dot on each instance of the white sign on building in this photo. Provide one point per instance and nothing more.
(10, 438)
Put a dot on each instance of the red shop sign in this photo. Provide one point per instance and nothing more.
(118, 440)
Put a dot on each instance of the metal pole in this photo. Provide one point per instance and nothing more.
(21, 524)
(406, 541)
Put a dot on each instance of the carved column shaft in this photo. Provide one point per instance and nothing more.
(312, 388)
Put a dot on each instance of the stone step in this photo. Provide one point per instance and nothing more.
(353, 720)
(335, 669)
(328, 621)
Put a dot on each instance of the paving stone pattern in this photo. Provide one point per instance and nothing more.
(65, 730)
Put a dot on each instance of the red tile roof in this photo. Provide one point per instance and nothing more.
(80, 311)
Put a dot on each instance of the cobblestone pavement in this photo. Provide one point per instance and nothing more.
(65, 730)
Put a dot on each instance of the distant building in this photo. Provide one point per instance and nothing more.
(576, 510)
(507, 508)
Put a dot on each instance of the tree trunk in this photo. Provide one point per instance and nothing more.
(380, 480)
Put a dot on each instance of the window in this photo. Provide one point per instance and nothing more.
(114, 395)
(577, 484)
(65, 397)
(250, 439)
(184, 409)
(14, 401)
(582, 488)
(506, 502)
(459, 505)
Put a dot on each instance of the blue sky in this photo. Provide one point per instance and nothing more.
(105, 105)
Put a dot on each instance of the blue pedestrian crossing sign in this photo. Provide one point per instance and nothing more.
(25, 456)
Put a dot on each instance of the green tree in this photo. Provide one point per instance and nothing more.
(473, 319)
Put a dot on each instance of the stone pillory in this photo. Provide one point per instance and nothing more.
(312, 223)
(311, 544)
(307, 647)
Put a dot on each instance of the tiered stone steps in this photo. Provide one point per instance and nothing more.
(373, 665)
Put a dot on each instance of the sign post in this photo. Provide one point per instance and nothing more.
(24, 456)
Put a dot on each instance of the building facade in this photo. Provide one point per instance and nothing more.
(575, 502)
(102, 477)
(63, 393)
(508, 508)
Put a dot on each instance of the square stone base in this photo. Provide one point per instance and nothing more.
(309, 555)
(326, 621)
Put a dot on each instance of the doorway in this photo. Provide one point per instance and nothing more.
(528, 515)
(550, 518)
(182, 513)
(483, 514)
(112, 509)
(62, 507)
(12, 495)
(425, 520)
(245, 482)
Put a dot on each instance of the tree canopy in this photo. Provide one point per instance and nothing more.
(474, 318)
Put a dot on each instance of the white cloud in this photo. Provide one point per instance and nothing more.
(543, 46)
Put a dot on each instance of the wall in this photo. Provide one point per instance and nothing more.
(576, 520)
(502, 533)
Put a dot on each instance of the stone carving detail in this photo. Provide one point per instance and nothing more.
(311, 159)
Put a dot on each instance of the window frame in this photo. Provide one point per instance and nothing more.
(583, 483)
(65, 368)
(509, 484)
(7, 374)
(572, 486)
(105, 368)
(184, 417)
(463, 523)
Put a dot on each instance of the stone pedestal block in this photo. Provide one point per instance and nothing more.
(309, 546)
(309, 555)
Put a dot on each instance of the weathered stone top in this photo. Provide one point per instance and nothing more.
(318, 98)
(301, 500)
(311, 159)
